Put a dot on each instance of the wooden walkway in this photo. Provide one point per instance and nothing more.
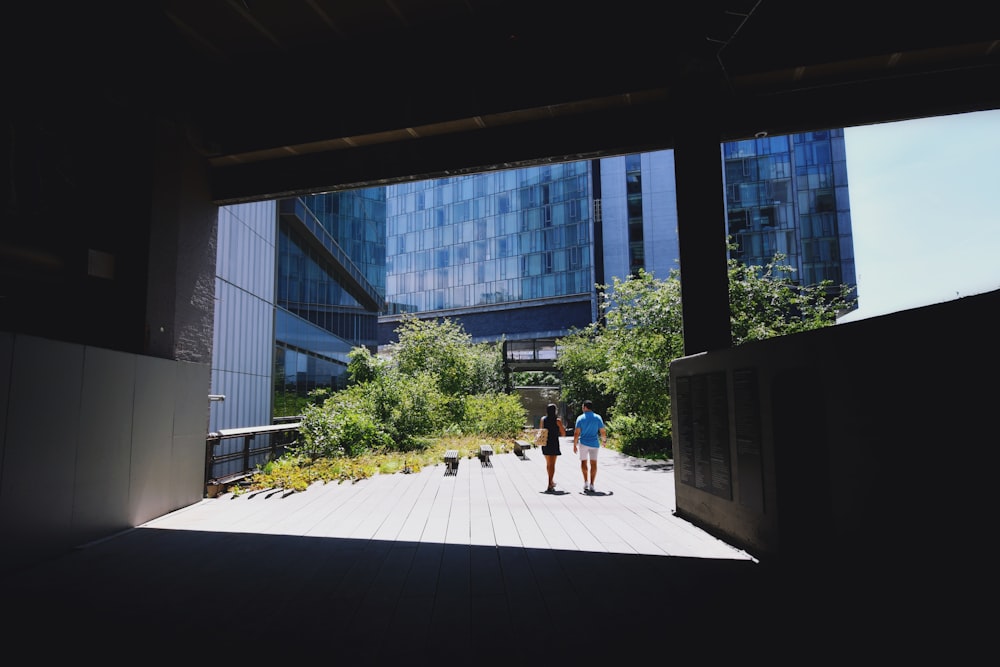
(427, 568)
(500, 505)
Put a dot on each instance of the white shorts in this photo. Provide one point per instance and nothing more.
(588, 453)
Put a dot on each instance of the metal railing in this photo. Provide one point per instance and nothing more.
(232, 454)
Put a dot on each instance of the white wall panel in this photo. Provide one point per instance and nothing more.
(156, 389)
(36, 494)
(104, 456)
(127, 444)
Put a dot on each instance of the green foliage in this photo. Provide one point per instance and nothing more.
(318, 433)
(447, 353)
(409, 406)
(499, 415)
(291, 405)
(487, 369)
(363, 366)
(638, 436)
(296, 472)
(623, 361)
(343, 426)
(428, 380)
(534, 379)
(582, 362)
(388, 412)
(765, 301)
(643, 332)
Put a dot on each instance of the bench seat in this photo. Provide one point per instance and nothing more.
(451, 462)
(485, 452)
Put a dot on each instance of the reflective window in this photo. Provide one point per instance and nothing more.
(502, 226)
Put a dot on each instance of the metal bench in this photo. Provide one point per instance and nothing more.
(485, 452)
(451, 462)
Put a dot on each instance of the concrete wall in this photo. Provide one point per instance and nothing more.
(850, 441)
(92, 442)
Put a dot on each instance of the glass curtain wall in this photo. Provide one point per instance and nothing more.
(487, 239)
(789, 194)
(318, 319)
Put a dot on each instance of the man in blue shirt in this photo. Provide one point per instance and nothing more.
(587, 438)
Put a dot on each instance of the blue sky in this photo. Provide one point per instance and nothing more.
(926, 226)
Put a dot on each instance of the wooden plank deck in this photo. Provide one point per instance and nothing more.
(420, 568)
(500, 505)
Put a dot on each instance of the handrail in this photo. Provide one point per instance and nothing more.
(280, 437)
(252, 430)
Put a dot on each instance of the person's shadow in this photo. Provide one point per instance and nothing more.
(597, 493)
(556, 492)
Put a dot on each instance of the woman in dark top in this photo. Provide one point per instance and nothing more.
(550, 450)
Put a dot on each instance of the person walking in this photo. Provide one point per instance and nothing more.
(550, 450)
(588, 434)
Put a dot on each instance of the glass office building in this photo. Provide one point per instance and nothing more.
(514, 254)
(300, 282)
(330, 287)
(505, 252)
(789, 194)
(639, 214)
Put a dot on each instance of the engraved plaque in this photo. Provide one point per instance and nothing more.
(702, 433)
(718, 436)
(749, 465)
(683, 430)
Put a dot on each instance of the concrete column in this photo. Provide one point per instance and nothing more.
(182, 248)
(701, 230)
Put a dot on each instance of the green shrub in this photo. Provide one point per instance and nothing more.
(496, 415)
(408, 407)
(358, 433)
(343, 426)
(318, 432)
(641, 437)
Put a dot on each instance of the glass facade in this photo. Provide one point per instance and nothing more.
(243, 335)
(476, 243)
(789, 194)
(785, 194)
(633, 191)
(639, 214)
(511, 254)
(299, 284)
(357, 221)
(330, 287)
(489, 239)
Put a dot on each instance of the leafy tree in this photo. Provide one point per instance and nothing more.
(363, 366)
(765, 301)
(644, 332)
(497, 415)
(625, 358)
(582, 361)
(445, 350)
(487, 369)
